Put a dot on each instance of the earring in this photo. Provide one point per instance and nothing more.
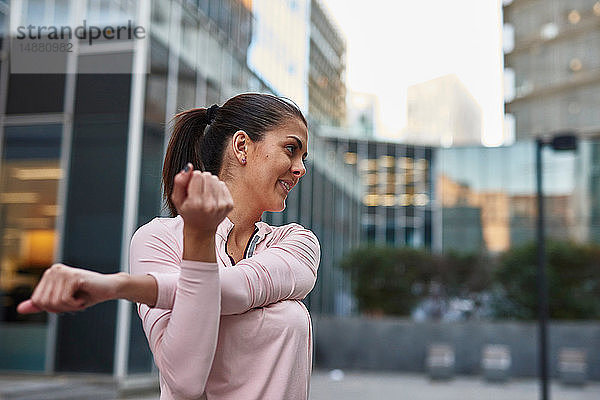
(243, 160)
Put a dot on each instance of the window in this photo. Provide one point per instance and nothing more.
(29, 179)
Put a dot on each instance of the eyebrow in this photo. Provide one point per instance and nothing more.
(299, 144)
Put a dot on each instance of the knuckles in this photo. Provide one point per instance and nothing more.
(56, 271)
(208, 197)
(50, 278)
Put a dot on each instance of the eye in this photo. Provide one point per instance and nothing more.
(291, 147)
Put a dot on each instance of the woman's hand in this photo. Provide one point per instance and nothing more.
(63, 288)
(201, 199)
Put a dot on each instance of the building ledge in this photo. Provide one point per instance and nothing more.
(587, 25)
(579, 79)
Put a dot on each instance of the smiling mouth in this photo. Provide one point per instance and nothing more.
(285, 186)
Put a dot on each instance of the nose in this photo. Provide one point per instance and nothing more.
(298, 169)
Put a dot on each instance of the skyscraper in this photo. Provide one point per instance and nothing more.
(327, 68)
(552, 65)
(442, 112)
(552, 84)
(278, 52)
(362, 114)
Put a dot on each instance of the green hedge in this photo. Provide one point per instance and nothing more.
(573, 273)
(391, 281)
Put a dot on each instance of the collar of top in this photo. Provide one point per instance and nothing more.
(226, 225)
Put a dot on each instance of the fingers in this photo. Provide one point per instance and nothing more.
(63, 297)
(206, 203)
(55, 292)
(226, 198)
(70, 296)
(42, 293)
(180, 185)
(217, 190)
(54, 296)
(197, 184)
(205, 191)
(27, 307)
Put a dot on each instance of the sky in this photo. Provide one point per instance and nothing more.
(392, 45)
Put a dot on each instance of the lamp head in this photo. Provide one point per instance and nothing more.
(564, 141)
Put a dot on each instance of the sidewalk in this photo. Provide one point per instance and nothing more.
(386, 385)
(352, 386)
(76, 387)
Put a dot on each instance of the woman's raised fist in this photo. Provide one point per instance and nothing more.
(201, 198)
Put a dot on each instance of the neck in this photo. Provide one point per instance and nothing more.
(243, 217)
(243, 220)
(243, 226)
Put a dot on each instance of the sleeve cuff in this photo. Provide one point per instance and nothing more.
(199, 265)
(167, 281)
(167, 286)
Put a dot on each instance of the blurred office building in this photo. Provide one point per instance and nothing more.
(552, 84)
(327, 68)
(82, 155)
(552, 71)
(362, 114)
(394, 183)
(279, 49)
(298, 50)
(488, 199)
(442, 112)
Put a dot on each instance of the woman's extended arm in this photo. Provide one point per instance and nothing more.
(284, 271)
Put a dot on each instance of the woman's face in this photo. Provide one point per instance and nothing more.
(276, 164)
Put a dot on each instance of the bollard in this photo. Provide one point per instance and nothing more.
(572, 366)
(495, 362)
(440, 361)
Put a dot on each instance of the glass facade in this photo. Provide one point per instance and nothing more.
(280, 44)
(30, 176)
(488, 196)
(66, 155)
(554, 87)
(326, 68)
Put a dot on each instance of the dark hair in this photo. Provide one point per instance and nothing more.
(202, 143)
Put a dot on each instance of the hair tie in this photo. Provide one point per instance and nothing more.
(211, 113)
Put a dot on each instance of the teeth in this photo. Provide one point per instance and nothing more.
(287, 186)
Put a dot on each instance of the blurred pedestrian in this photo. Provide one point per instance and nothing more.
(219, 291)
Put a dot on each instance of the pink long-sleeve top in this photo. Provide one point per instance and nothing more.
(229, 331)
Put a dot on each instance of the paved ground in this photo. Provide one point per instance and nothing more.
(324, 386)
(383, 386)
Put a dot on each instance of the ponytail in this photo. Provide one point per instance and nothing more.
(184, 147)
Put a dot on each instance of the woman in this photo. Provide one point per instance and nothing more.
(218, 291)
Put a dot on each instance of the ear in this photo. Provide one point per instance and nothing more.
(240, 143)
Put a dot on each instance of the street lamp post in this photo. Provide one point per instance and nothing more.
(559, 142)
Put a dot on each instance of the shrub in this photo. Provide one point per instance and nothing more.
(573, 273)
